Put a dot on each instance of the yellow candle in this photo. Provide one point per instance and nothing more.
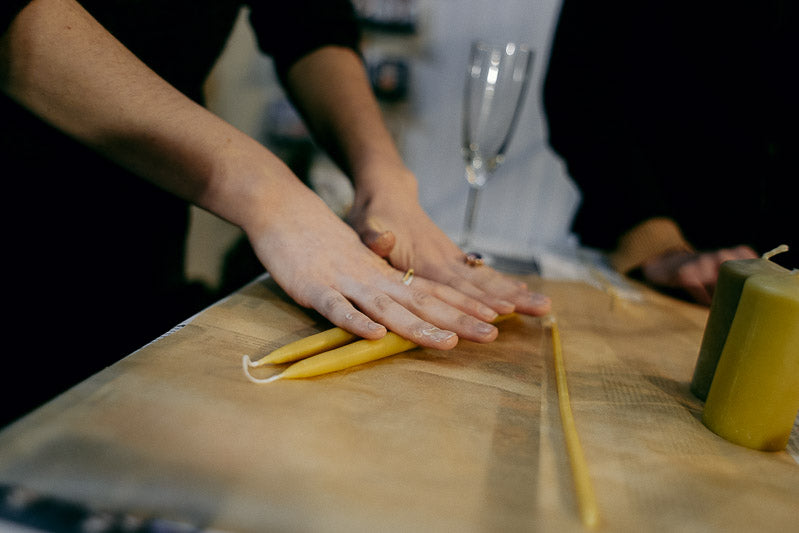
(347, 356)
(338, 358)
(311, 345)
(732, 276)
(754, 398)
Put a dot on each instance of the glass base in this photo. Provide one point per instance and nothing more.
(512, 265)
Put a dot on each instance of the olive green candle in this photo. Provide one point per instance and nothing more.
(754, 397)
(732, 276)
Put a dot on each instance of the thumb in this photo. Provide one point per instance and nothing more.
(381, 241)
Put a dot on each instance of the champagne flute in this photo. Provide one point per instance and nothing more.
(497, 78)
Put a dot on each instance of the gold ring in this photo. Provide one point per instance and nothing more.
(473, 260)
(408, 277)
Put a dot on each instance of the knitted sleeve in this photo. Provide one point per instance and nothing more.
(647, 240)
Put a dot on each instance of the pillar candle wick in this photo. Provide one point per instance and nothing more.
(778, 250)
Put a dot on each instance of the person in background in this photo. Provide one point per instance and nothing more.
(104, 143)
(678, 123)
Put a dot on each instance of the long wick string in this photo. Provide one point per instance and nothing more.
(586, 498)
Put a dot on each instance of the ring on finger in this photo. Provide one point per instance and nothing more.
(473, 259)
(407, 278)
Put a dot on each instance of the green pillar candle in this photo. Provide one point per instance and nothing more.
(732, 276)
(754, 397)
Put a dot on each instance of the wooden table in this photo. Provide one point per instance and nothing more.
(466, 440)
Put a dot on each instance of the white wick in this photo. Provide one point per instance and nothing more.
(778, 250)
(246, 363)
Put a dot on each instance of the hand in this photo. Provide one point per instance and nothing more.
(396, 227)
(696, 273)
(321, 263)
(112, 102)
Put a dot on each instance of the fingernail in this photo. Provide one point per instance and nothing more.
(484, 328)
(435, 334)
(487, 313)
(441, 335)
(540, 299)
(507, 306)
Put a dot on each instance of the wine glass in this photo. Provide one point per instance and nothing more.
(496, 83)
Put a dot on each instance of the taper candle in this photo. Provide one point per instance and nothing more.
(328, 355)
(754, 397)
(347, 356)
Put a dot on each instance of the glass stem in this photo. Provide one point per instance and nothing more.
(471, 209)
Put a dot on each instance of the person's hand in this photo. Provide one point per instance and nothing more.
(694, 272)
(396, 227)
(115, 104)
(322, 264)
(345, 118)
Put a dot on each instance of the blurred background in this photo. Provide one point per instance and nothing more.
(416, 52)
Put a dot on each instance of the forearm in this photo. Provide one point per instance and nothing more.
(64, 67)
(59, 63)
(332, 91)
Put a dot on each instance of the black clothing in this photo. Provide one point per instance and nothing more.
(686, 110)
(81, 225)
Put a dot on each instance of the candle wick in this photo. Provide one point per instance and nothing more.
(778, 250)
(246, 364)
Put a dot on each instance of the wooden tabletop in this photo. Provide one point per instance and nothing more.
(465, 440)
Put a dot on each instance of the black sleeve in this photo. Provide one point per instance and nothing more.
(289, 30)
(588, 107)
(8, 10)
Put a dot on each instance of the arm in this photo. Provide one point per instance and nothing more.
(58, 62)
(658, 250)
(331, 89)
(696, 273)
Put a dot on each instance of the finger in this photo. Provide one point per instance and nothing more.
(408, 325)
(338, 310)
(381, 241)
(697, 279)
(460, 300)
(399, 319)
(533, 303)
(699, 293)
(507, 289)
(742, 252)
(422, 298)
(465, 286)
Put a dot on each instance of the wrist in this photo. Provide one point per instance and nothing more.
(249, 186)
(650, 239)
(386, 180)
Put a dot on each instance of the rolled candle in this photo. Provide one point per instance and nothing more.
(312, 345)
(357, 353)
(732, 276)
(354, 354)
(754, 398)
(338, 358)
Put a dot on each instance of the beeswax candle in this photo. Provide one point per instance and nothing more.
(732, 276)
(347, 356)
(299, 349)
(754, 397)
(333, 356)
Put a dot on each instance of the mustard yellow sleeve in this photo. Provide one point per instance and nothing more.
(648, 239)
